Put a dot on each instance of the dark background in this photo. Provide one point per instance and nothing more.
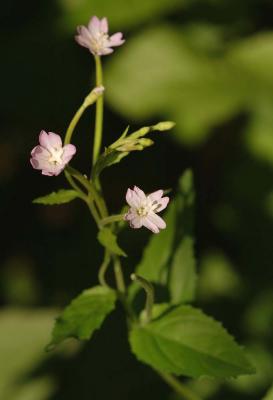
(206, 64)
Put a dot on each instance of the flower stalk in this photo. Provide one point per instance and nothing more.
(99, 112)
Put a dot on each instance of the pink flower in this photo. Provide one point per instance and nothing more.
(143, 209)
(50, 156)
(95, 37)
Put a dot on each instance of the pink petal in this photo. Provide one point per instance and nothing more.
(94, 24)
(132, 198)
(104, 25)
(104, 51)
(116, 39)
(84, 37)
(129, 216)
(157, 220)
(34, 163)
(150, 225)
(139, 193)
(43, 139)
(40, 152)
(136, 223)
(52, 170)
(68, 152)
(163, 203)
(156, 196)
(54, 140)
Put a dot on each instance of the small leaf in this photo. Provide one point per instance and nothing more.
(109, 240)
(60, 197)
(84, 315)
(185, 341)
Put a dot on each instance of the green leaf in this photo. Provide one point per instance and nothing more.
(185, 341)
(60, 197)
(109, 240)
(182, 273)
(169, 256)
(84, 315)
(159, 250)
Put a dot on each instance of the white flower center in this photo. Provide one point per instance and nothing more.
(147, 207)
(143, 211)
(100, 42)
(56, 156)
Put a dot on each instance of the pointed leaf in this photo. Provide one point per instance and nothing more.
(109, 240)
(84, 315)
(185, 341)
(60, 197)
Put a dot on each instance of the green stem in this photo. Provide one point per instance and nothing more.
(73, 124)
(119, 275)
(182, 390)
(99, 112)
(73, 184)
(93, 210)
(103, 268)
(112, 218)
(148, 287)
(91, 98)
(91, 189)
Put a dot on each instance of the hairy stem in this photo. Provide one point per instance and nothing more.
(99, 112)
(182, 390)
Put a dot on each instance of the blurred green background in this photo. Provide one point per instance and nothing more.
(206, 64)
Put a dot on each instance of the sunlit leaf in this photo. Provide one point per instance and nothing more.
(185, 341)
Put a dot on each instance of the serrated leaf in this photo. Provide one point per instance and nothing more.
(84, 315)
(169, 256)
(185, 341)
(60, 197)
(109, 240)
